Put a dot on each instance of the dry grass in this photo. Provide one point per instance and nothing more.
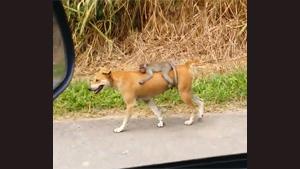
(122, 34)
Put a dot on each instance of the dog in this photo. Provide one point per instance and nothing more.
(126, 82)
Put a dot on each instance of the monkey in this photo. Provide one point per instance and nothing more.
(163, 67)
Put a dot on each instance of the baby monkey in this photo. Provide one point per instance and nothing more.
(163, 67)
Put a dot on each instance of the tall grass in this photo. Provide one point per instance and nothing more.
(119, 33)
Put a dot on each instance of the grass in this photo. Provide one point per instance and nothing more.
(123, 34)
(216, 89)
(128, 33)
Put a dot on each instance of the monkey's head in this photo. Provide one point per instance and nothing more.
(143, 68)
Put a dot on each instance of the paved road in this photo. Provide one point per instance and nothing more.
(92, 143)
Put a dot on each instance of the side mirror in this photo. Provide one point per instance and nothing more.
(63, 50)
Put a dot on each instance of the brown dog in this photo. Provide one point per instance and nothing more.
(126, 82)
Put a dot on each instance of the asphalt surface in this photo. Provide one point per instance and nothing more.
(92, 143)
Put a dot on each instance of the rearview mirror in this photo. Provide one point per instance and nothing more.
(63, 50)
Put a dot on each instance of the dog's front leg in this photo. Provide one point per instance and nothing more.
(130, 104)
(125, 120)
(157, 112)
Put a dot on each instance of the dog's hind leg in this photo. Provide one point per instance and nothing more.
(156, 111)
(130, 103)
(187, 99)
(200, 105)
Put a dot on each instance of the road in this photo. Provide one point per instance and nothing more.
(92, 143)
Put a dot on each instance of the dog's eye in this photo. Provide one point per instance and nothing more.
(97, 80)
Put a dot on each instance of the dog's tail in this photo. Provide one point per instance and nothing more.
(190, 62)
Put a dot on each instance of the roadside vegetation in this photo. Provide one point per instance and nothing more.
(121, 34)
(216, 89)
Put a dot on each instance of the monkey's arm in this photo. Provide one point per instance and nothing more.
(150, 74)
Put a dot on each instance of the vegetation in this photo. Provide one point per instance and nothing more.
(216, 89)
(121, 34)
(125, 33)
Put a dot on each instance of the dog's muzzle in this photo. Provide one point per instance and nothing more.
(96, 90)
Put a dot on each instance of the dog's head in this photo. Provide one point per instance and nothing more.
(101, 80)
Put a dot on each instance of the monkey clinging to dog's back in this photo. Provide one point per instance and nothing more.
(163, 67)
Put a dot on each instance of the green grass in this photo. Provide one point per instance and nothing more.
(216, 89)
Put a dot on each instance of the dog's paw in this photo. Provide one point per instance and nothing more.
(118, 130)
(188, 122)
(200, 116)
(160, 124)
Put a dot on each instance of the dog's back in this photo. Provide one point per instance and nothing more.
(127, 81)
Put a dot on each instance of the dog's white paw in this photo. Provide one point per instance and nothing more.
(200, 115)
(118, 130)
(160, 124)
(188, 122)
